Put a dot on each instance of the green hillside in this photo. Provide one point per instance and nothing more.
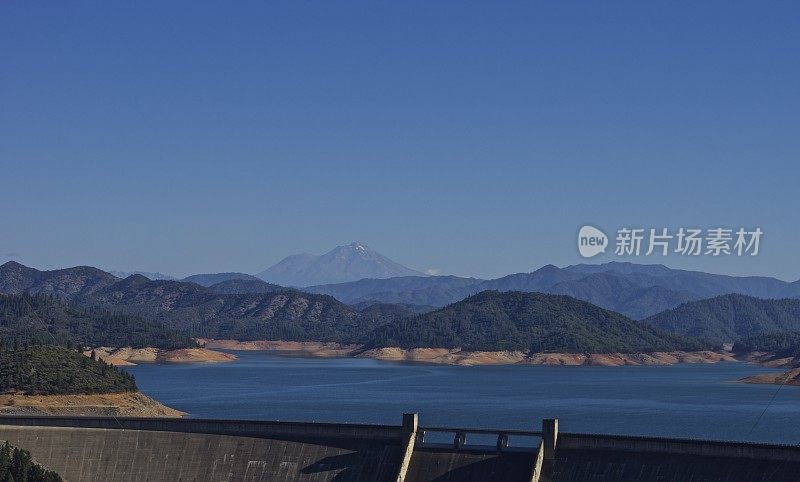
(201, 312)
(730, 318)
(52, 370)
(530, 322)
(783, 345)
(45, 319)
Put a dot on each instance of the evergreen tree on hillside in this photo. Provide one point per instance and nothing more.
(17, 465)
(48, 370)
(782, 345)
(41, 319)
(730, 318)
(528, 322)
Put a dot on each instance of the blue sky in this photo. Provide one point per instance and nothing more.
(470, 137)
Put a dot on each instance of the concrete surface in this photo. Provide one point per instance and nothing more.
(177, 450)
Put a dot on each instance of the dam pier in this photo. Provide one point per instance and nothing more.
(84, 449)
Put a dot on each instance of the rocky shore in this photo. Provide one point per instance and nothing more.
(132, 356)
(789, 377)
(458, 357)
(448, 356)
(310, 348)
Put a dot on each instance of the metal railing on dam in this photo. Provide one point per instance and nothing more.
(155, 449)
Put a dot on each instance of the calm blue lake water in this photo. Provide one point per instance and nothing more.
(681, 400)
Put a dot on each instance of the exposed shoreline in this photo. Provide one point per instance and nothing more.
(125, 404)
(127, 356)
(446, 356)
(789, 377)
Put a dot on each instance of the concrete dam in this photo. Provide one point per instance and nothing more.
(141, 449)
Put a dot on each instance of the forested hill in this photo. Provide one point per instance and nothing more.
(163, 313)
(62, 283)
(246, 286)
(730, 318)
(52, 370)
(785, 344)
(387, 312)
(286, 315)
(45, 319)
(202, 312)
(216, 278)
(529, 322)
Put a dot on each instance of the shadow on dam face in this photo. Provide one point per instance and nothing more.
(137, 449)
(168, 450)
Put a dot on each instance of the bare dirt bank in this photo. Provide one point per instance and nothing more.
(457, 357)
(311, 348)
(128, 404)
(771, 360)
(447, 356)
(791, 377)
(131, 356)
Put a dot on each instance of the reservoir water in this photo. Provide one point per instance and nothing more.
(697, 401)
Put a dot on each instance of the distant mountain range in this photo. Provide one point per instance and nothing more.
(247, 308)
(357, 275)
(220, 311)
(637, 291)
(342, 264)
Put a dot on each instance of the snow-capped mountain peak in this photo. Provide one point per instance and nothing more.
(350, 262)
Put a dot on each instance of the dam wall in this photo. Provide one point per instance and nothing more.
(110, 449)
(616, 458)
(656, 445)
(175, 450)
